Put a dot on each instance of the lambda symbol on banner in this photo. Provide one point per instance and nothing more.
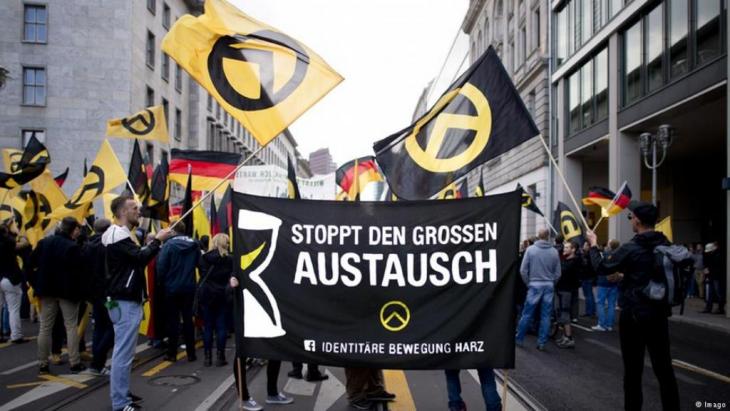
(428, 158)
(149, 125)
(89, 191)
(569, 225)
(395, 316)
(231, 53)
(261, 314)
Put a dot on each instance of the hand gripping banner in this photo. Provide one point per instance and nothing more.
(397, 285)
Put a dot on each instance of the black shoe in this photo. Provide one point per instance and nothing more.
(134, 398)
(130, 407)
(296, 374)
(316, 376)
(362, 404)
(77, 368)
(20, 341)
(221, 360)
(381, 395)
(43, 370)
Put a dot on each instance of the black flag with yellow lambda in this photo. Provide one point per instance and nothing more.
(148, 124)
(261, 76)
(528, 202)
(478, 118)
(568, 225)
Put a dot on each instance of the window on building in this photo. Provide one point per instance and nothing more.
(678, 31)
(531, 103)
(523, 45)
(35, 23)
(150, 56)
(632, 63)
(654, 35)
(574, 101)
(34, 86)
(600, 70)
(209, 133)
(152, 6)
(708, 41)
(562, 36)
(615, 6)
(586, 20)
(27, 134)
(178, 77)
(178, 124)
(150, 97)
(166, 110)
(572, 27)
(165, 16)
(586, 77)
(209, 104)
(535, 27)
(165, 69)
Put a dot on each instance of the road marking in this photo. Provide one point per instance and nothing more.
(300, 387)
(45, 389)
(395, 381)
(581, 327)
(330, 391)
(164, 364)
(25, 384)
(9, 343)
(699, 370)
(62, 380)
(213, 398)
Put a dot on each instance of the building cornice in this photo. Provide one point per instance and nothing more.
(475, 7)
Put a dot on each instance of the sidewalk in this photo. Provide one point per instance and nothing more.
(692, 315)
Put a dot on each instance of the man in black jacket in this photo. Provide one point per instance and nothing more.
(643, 323)
(57, 280)
(103, 338)
(126, 290)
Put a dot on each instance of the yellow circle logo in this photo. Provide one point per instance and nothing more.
(394, 316)
(481, 123)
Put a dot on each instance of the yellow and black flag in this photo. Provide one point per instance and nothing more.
(32, 163)
(528, 202)
(261, 76)
(568, 225)
(137, 175)
(104, 175)
(478, 118)
(148, 124)
(157, 206)
(291, 177)
(11, 158)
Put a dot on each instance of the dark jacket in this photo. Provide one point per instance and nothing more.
(58, 268)
(713, 263)
(95, 256)
(175, 270)
(9, 260)
(570, 272)
(218, 270)
(125, 264)
(635, 259)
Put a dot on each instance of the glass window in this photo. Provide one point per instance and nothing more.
(178, 124)
(587, 20)
(707, 30)
(655, 47)
(165, 16)
(35, 23)
(34, 86)
(523, 44)
(535, 27)
(600, 69)
(150, 56)
(165, 72)
(632, 63)
(678, 17)
(152, 6)
(572, 26)
(165, 109)
(586, 77)
(562, 34)
(178, 77)
(615, 6)
(210, 103)
(150, 98)
(40, 135)
(574, 101)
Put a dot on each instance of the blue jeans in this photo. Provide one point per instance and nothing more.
(214, 318)
(486, 380)
(607, 306)
(590, 299)
(126, 318)
(542, 295)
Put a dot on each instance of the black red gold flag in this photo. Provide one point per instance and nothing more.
(354, 175)
(478, 118)
(61, 178)
(208, 168)
(611, 203)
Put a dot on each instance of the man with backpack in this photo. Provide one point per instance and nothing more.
(643, 321)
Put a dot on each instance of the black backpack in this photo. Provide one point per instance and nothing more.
(673, 266)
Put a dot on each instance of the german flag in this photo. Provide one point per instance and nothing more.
(32, 163)
(208, 168)
(61, 178)
(611, 203)
(354, 175)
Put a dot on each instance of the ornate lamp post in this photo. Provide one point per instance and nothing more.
(649, 144)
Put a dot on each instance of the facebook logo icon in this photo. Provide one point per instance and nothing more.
(309, 345)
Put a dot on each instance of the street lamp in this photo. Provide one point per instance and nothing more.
(649, 144)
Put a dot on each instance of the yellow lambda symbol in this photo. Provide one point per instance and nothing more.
(481, 123)
(395, 316)
(568, 225)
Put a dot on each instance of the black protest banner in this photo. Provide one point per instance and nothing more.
(398, 285)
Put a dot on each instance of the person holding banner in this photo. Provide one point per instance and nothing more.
(488, 386)
(125, 261)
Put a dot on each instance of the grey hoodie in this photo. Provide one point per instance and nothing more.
(541, 264)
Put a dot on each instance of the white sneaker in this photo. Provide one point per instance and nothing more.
(598, 328)
(251, 405)
(279, 399)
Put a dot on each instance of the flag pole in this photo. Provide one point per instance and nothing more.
(547, 221)
(220, 183)
(565, 182)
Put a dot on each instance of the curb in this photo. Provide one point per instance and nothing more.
(699, 323)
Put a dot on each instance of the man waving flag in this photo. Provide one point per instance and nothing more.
(261, 76)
